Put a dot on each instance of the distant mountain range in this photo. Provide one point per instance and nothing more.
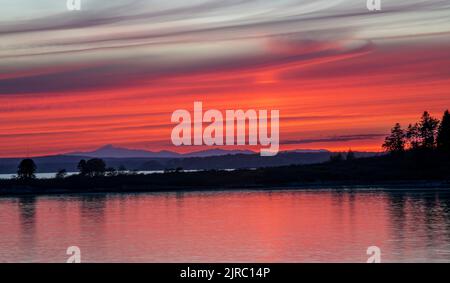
(143, 160)
(110, 151)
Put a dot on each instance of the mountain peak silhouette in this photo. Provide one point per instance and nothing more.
(112, 151)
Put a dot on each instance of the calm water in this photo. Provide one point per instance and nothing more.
(287, 226)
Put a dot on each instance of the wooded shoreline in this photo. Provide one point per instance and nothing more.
(411, 170)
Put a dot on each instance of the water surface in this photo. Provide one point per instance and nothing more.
(241, 226)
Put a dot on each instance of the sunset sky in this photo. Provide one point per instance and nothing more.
(114, 72)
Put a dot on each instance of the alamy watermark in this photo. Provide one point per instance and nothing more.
(74, 252)
(374, 5)
(235, 128)
(73, 5)
(375, 254)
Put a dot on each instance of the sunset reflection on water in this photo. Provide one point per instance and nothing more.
(240, 226)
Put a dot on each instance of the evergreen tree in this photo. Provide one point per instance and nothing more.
(413, 136)
(443, 138)
(395, 142)
(428, 127)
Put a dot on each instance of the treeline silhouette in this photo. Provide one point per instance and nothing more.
(429, 134)
(419, 154)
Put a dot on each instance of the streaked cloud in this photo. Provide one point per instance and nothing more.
(334, 139)
(137, 61)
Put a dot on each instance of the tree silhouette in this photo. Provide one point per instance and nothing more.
(62, 173)
(443, 137)
(95, 167)
(428, 127)
(92, 167)
(423, 135)
(413, 136)
(82, 167)
(350, 155)
(395, 142)
(26, 169)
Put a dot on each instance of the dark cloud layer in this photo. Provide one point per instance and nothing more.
(334, 139)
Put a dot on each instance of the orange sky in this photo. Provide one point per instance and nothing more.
(334, 90)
